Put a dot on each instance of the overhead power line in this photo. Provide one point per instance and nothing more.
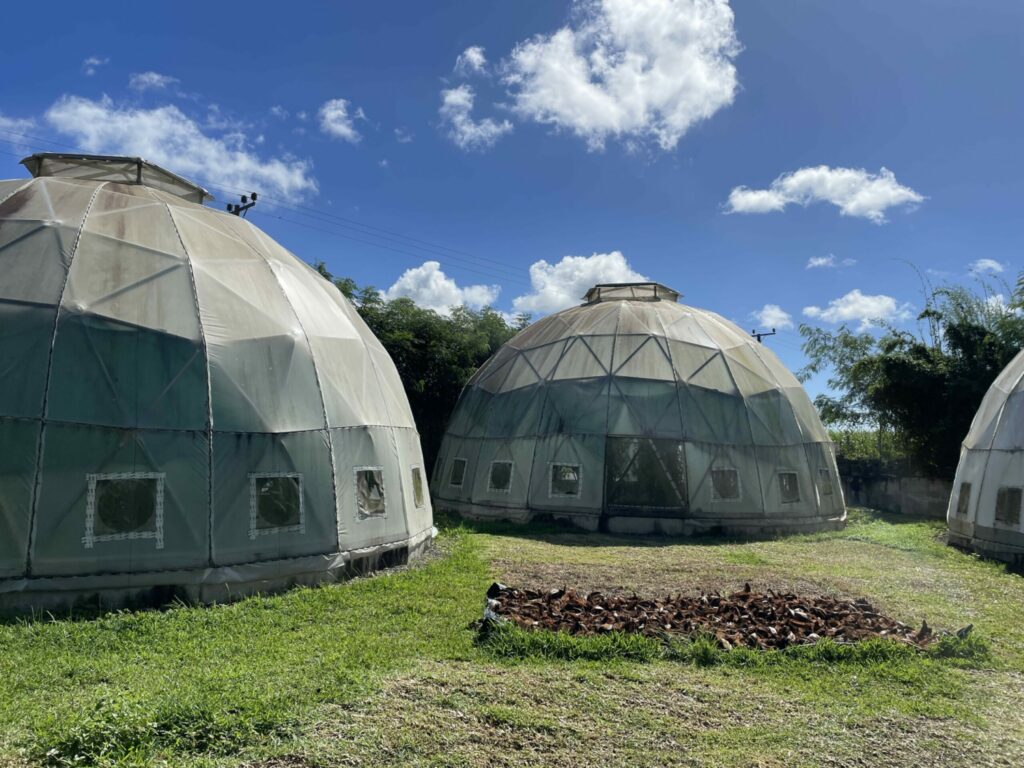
(416, 248)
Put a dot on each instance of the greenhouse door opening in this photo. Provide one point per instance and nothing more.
(645, 477)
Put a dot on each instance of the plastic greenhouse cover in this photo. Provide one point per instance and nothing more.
(670, 381)
(160, 342)
(992, 465)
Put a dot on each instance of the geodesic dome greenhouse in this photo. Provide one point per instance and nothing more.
(985, 507)
(185, 406)
(635, 413)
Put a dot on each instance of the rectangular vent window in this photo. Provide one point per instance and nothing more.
(1008, 506)
(275, 503)
(499, 479)
(565, 480)
(124, 506)
(725, 484)
(963, 500)
(418, 497)
(789, 487)
(458, 473)
(370, 500)
(825, 482)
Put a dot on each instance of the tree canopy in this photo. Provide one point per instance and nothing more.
(925, 385)
(435, 354)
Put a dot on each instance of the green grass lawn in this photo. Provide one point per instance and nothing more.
(385, 670)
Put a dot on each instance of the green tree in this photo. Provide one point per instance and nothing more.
(925, 386)
(435, 355)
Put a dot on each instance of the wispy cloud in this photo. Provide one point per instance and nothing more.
(336, 121)
(772, 316)
(829, 262)
(865, 309)
(987, 267)
(150, 81)
(854, 191)
(13, 132)
(93, 63)
(168, 136)
(467, 133)
(471, 61)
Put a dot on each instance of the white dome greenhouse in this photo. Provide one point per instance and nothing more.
(186, 408)
(985, 506)
(634, 413)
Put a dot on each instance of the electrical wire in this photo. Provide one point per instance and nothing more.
(413, 247)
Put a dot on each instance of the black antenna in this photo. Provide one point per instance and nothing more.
(240, 209)
(761, 335)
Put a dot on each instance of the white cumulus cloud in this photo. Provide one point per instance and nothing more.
(829, 262)
(467, 133)
(403, 135)
(866, 309)
(561, 285)
(987, 266)
(630, 69)
(167, 136)
(92, 63)
(147, 81)
(431, 288)
(773, 316)
(854, 191)
(471, 61)
(279, 112)
(336, 121)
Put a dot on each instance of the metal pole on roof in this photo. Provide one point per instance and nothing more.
(761, 335)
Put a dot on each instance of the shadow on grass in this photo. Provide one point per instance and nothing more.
(564, 533)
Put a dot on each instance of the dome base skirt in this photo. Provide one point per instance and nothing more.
(754, 526)
(996, 544)
(202, 586)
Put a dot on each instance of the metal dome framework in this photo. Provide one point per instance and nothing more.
(183, 402)
(639, 414)
(985, 507)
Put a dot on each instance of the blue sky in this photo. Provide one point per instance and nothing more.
(607, 127)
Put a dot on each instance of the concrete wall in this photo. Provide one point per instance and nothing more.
(920, 496)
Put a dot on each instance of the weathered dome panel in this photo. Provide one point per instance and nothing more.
(185, 403)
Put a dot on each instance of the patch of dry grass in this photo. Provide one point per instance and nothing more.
(650, 715)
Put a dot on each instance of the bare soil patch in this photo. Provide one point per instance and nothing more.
(764, 620)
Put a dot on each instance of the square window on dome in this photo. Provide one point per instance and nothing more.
(370, 498)
(565, 480)
(499, 479)
(789, 487)
(275, 503)
(123, 506)
(725, 484)
(1008, 506)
